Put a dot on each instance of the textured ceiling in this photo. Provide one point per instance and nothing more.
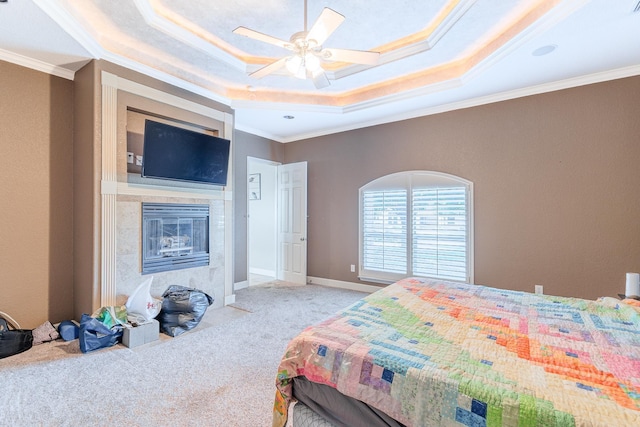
(434, 55)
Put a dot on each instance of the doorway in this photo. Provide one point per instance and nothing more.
(262, 210)
(276, 221)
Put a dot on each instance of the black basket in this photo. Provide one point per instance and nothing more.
(13, 341)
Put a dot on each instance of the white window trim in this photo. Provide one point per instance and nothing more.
(406, 180)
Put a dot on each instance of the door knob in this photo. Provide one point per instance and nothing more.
(302, 239)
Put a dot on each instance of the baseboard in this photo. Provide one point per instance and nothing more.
(240, 285)
(343, 285)
(262, 272)
(229, 299)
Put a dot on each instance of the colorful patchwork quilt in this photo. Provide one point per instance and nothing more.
(433, 353)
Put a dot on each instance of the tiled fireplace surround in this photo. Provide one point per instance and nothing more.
(121, 204)
(128, 251)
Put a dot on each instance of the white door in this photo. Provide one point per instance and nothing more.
(292, 217)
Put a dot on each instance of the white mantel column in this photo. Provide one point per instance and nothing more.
(109, 189)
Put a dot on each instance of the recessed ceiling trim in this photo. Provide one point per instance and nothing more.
(261, 133)
(338, 70)
(403, 96)
(359, 99)
(553, 17)
(69, 24)
(405, 83)
(401, 52)
(384, 58)
(35, 64)
(165, 77)
(451, 19)
(474, 102)
(162, 24)
(503, 43)
(522, 30)
(281, 106)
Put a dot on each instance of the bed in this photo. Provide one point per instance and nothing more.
(422, 352)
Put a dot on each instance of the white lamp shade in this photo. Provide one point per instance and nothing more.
(300, 66)
(296, 67)
(312, 63)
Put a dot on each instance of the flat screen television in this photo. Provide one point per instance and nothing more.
(174, 153)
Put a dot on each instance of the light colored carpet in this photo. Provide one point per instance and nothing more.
(220, 374)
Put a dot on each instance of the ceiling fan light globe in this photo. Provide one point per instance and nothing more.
(294, 63)
(296, 67)
(312, 62)
(301, 73)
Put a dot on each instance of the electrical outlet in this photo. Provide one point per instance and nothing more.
(539, 289)
(353, 268)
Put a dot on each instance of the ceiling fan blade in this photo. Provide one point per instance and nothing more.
(325, 25)
(351, 56)
(319, 79)
(268, 69)
(252, 34)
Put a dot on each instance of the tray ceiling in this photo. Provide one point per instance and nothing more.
(434, 56)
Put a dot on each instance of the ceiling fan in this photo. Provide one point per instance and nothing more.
(308, 53)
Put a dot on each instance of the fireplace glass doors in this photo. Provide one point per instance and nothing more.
(174, 236)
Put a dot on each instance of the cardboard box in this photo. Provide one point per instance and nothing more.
(142, 334)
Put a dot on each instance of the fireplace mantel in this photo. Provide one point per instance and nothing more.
(111, 188)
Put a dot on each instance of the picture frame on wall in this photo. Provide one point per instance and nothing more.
(254, 186)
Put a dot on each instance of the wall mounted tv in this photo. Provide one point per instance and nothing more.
(174, 153)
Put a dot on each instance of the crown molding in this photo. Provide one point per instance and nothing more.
(36, 64)
(619, 73)
(403, 96)
(69, 24)
(283, 106)
(262, 134)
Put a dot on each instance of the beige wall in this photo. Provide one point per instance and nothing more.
(556, 187)
(556, 178)
(86, 190)
(36, 193)
(50, 178)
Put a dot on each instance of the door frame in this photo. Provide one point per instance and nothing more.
(275, 164)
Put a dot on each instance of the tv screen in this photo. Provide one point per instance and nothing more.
(170, 152)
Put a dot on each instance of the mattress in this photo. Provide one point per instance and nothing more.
(335, 408)
(432, 353)
(303, 416)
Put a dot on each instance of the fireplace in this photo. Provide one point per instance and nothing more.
(174, 236)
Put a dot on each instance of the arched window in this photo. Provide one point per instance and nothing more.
(416, 223)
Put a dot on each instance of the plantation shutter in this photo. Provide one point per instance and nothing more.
(384, 225)
(439, 232)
